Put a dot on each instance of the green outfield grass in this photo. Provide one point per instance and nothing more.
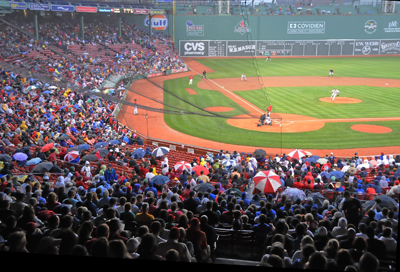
(376, 102)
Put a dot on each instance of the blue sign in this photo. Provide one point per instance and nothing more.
(17, 5)
(45, 7)
(62, 8)
(105, 10)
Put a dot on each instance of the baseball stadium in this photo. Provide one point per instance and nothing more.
(253, 133)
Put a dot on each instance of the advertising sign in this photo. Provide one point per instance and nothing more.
(312, 27)
(366, 47)
(156, 11)
(193, 48)
(17, 5)
(62, 8)
(241, 48)
(393, 26)
(158, 22)
(86, 9)
(194, 30)
(140, 11)
(44, 7)
(390, 47)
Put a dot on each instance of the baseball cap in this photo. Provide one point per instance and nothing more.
(132, 244)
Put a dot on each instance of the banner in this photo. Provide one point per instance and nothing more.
(156, 11)
(140, 11)
(311, 27)
(63, 8)
(86, 9)
(43, 7)
(174, 71)
(17, 5)
(193, 48)
(158, 22)
(154, 75)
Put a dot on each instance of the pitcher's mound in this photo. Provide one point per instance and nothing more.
(340, 100)
(371, 128)
(219, 109)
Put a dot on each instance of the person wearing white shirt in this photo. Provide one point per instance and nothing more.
(388, 240)
(149, 175)
(334, 93)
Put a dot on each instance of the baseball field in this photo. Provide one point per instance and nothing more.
(225, 109)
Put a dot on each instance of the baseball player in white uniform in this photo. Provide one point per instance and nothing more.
(334, 93)
(135, 110)
(331, 72)
(244, 77)
(268, 120)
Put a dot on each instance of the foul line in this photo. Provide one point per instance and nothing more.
(244, 101)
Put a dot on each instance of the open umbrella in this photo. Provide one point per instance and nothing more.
(71, 156)
(33, 161)
(337, 174)
(387, 202)
(203, 187)
(160, 179)
(73, 148)
(52, 88)
(160, 151)
(84, 147)
(322, 161)
(100, 145)
(260, 153)
(197, 169)
(109, 91)
(96, 91)
(267, 181)
(229, 163)
(113, 142)
(32, 87)
(63, 137)
(182, 165)
(42, 167)
(317, 198)
(310, 160)
(90, 157)
(138, 153)
(297, 154)
(5, 158)
(293, 194)
(47, 147)
(103, 152)
(20, 156)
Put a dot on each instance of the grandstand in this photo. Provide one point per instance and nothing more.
(71, 144)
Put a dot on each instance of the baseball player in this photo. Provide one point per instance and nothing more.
(135, 111)
(190, 80)
(334, 93)
(244, 77)
(331, 72)
(204, 74)
(268, 120)
(268, 58)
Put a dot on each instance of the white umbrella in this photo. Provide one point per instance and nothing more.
(267, 181)
(160, 151)
(52, 88)
(182, 165)
(229, 162)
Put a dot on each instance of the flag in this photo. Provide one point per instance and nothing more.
(269, 108)
(98, 156)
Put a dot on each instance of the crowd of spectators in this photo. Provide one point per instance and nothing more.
(102, 211)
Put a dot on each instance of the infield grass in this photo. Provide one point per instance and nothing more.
(376, 102)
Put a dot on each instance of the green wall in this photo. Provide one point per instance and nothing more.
(277, 27)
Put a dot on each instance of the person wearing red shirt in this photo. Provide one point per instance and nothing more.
(53, 155)
(308, 184)
(308, 176)
(185, 193)
(142, 170)
(170, 174)
(298, 184)
(370, 190)
(199, 240)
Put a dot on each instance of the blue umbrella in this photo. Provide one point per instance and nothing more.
(337, 174)
(228, 163)
(20, 156)
(100, 145)
(47, 92)
(160, 180)
(138, 153)
(160, 151)
(34, 161)
(315, 157)
(113, 142)
(84, 147)
(310, 160)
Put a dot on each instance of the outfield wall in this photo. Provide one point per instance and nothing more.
(317, 35)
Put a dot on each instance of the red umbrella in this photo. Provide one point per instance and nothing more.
(182, 165)
(47, 147)
(297, 154)
(267, 182)
(200, 168)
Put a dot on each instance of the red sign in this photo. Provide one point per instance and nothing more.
(86, 9)
(141, 11)
(154, 75)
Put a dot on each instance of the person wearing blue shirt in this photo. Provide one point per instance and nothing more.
(262, 227)
(152, 189)
(244, 198)
(110, 174)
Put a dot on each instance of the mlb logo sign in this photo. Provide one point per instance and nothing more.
(158, 22)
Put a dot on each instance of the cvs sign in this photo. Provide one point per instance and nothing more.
(193, 48)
